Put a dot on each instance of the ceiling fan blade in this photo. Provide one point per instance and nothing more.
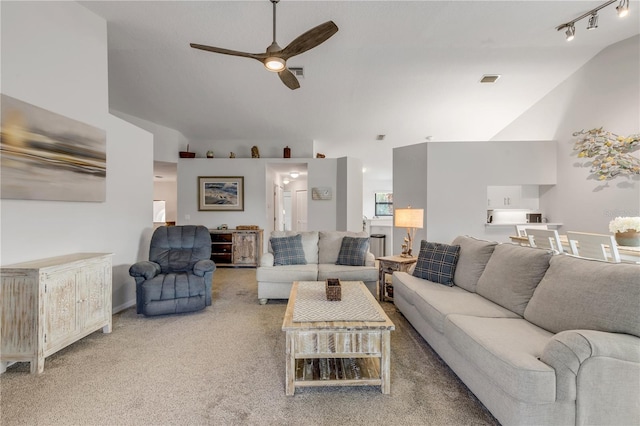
(258, 56)
(310, 39)
(289, 79)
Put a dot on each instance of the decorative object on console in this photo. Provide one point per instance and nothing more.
(287, 152)
(411, 219)
(209, 154)
(321, 193)
(187, 153)
(333, 289)
(216, 193)
(46, 156)
(318, 155)
(626, 230)
(232, 155)
(255, 152)
(610, 153)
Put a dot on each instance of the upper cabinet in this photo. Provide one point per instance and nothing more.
(513, 197)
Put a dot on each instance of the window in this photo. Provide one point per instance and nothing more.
(384, 203)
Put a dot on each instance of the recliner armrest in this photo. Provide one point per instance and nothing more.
(201, 267)
(145, 269)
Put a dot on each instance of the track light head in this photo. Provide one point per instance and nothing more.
(593, 22)
(623, 8)
(571, 32)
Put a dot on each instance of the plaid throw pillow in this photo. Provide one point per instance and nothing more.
(353, 251)
(437, 262)
(288, 250)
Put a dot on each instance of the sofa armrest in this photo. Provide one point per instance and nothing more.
(370, 260)
(574, 353)
(144, 269)
(266, 259)
(203, 266)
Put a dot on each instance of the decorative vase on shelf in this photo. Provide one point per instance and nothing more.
(629, 238)
(287, 152)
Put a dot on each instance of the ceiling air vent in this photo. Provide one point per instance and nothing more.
(297, 71)
(489, 78)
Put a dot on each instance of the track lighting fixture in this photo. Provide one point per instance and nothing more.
(593, 22)
(622, 8)
(571, 32)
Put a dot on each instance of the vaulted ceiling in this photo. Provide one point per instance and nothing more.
(408, 70)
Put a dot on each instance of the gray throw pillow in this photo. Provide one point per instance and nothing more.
(437, 262)
(512, 274)
(353, 251)
(583, 294)
(474, 255)
(288, 250)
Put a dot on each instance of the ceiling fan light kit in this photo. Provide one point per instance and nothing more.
(275, 58)
(622, 9)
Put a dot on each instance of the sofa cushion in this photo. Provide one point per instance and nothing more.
(437, 262)
(309, 243)
(512, 274)
(435, 301)
(287, 273)
(288, 250)
(353, 251)
(329, 243)
(506, 350)
(578, 293)
(474, 255)
(347, 273)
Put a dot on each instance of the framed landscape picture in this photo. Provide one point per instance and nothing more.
(221, 193)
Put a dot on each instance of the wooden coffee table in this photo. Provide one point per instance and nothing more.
(337, 353)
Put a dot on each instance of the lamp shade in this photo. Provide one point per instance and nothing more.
(408, 218)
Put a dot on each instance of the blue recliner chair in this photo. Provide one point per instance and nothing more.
(177, 277)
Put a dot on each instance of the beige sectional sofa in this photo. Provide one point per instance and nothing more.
(321, 250)
(540, 339)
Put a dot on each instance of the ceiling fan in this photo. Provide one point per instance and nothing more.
(275, 58)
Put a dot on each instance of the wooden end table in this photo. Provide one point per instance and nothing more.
(388, 265)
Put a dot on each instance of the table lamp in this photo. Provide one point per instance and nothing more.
(411, 219)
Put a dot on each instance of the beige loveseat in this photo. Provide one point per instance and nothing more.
(321, 250)
(540, 339)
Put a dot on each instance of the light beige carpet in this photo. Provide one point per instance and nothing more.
(224, 366)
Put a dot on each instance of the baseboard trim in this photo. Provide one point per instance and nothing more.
(122, 307)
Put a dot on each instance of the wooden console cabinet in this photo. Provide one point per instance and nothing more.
(235, 247)
(50, 303)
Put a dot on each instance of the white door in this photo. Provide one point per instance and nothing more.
(301, 210)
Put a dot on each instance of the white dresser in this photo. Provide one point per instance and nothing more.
(48, 304)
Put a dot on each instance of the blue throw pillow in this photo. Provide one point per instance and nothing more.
(437, 262)
(353, 251)
(288, 250)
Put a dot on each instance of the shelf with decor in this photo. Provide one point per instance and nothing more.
(236, 247)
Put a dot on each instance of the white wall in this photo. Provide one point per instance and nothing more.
(605, 92)
(409, 189)
(167, 142)
(258, 188)
(54, 55)
(449, 180)
(349, 179)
